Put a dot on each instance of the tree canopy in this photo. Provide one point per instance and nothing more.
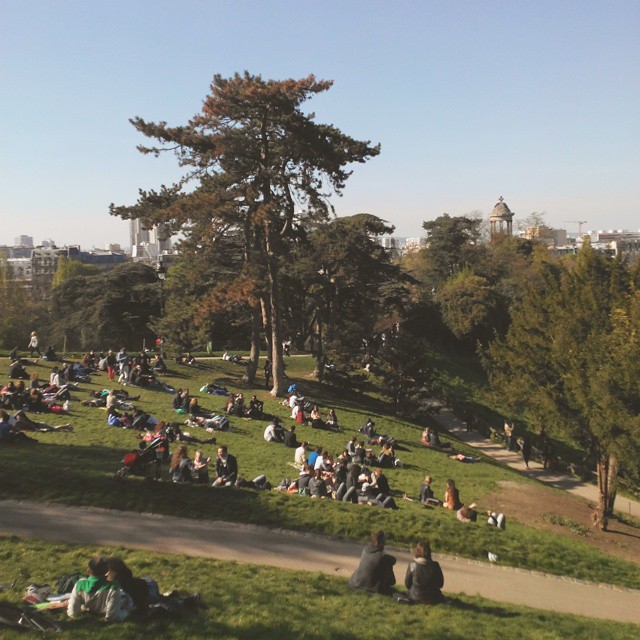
(254, 162)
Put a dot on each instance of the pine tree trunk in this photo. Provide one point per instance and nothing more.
(607, 480)
(254, 355)
(275, 313)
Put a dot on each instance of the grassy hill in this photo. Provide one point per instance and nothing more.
(78, 468)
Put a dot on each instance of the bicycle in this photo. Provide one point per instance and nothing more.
(25, 619)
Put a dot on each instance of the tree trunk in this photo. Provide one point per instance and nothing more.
(275, 313)
(254, 355)
(320, 357)
(607, 479)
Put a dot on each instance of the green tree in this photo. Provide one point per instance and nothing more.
(341, 281)
(111, 309)
(19, 314)
(252, 158)
(558, 363)
(468, 305)
(67, 269)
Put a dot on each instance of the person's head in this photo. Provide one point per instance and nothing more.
(33, 333)
(97, 567)
(319, 450)
(33, 376)
(293, 427)
(276, 421)
(377, 472)
(117, 570)
(422, 550)
(451, 485)
(378, 539)
(198, 456)
(222, 452)
(427, 480)
(305, 445)
(4, 416)
(182, 451)
(318, 474)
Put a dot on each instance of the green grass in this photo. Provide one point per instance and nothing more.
(77, 468)
(247, 602)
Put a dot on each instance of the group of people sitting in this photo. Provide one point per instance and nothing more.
(111, 590)
(343, 478)
(424, 579)
(236, 406)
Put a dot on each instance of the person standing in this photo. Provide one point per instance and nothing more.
(526, 450)
(508, 433)
(267, 373)
(111, 362)
(33, 344)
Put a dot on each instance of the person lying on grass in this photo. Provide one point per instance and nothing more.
(21, 422)
(146, 599)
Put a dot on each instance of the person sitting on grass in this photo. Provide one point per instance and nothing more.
(375, 571)
(424, 579)
(17, 371)
(317, 485)
(332, 421)
(226, 468)
(201, 468)
(316, 418)
(96, 594)
(451, 497)
(467, 513)
(256, 408)
(289, 437)
(273, 432)
(300, 456)
(181, 467)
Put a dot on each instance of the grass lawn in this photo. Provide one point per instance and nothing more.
(78, 468)
(248, 602)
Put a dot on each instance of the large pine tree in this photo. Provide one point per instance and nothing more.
(253, 159)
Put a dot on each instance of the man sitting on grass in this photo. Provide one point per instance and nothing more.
(226, 468)
(375, 571)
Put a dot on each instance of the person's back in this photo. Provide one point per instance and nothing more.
(375, 571)
(289, 438)
(96, 594)
(424, 579)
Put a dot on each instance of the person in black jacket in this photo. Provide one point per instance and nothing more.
(424, 577)
(226, 468)
(375, 571)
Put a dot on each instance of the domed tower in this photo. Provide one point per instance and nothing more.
(501, 219)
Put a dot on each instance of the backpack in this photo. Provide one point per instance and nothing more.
(66, 583)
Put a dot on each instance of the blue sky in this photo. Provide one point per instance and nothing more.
(535, 101)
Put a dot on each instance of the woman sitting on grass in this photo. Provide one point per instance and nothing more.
(451, 497)
(424, 579)
(181, 467)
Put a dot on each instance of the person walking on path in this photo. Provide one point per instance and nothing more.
(526, 450)
(33, 344)
(508, 433)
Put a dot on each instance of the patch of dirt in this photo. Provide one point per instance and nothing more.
(535, 506)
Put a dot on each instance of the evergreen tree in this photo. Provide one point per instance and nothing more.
(252, 158)
(568, 359)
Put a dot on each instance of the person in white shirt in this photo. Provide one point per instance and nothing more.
(300, 458)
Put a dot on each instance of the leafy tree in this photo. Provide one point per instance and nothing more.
(468, 305)
(568, 361)
(341, 282)
(252, 158)
(67, 269)
(111, 309)
(19, 314)
(453, 244)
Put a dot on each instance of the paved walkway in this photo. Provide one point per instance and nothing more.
(299, 551)
(448, 420)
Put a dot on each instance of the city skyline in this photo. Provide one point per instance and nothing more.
(535, 103)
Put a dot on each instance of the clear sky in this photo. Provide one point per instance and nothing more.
(536, 101)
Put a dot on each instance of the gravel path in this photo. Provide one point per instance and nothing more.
(290, 550)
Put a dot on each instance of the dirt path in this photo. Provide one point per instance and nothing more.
(451, 423)
(291, 550)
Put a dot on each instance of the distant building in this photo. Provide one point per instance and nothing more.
(547, 235)
(48, 244)
(21, 269)
(414, 244)
(148, 244)
(24, 241)
(501, 219)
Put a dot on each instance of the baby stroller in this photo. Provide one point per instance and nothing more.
(145, 462)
